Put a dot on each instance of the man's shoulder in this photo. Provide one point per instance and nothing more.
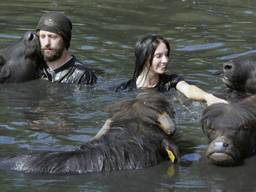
(80, 65)
(85, 74)
(79, 73)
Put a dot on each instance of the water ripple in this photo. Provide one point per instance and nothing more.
(236, 55)
(200, 47)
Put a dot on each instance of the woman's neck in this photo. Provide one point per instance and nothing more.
(147, 79)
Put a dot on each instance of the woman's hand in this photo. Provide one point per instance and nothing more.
(211, 99)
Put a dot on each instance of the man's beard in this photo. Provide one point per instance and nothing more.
(53, 54)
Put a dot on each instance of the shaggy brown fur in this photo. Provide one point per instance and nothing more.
(136, 135)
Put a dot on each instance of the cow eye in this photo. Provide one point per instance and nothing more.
(245, 128)
(211, 130)
(212, 134)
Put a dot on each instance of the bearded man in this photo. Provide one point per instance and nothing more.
(54, 31)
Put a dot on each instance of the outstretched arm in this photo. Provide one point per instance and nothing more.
(195, 93)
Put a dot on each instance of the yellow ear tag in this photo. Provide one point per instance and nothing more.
(170, 155)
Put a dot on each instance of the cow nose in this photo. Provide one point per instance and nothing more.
(221, 145)
(227, 66)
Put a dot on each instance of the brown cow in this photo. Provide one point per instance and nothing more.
(231, 131)
(240, 74)
(136, 135)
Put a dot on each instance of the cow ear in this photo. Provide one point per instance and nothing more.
(5, 72)
(166, 123)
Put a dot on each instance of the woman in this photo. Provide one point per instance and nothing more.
(152, 55)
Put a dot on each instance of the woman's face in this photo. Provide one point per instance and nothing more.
(160, 59)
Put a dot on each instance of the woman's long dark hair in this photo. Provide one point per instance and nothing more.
(144, 50)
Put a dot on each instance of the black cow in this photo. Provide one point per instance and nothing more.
(231, 131)
(240, 74)
(136, 135)
(21, 61)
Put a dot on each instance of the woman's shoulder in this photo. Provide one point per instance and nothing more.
(171, 78)
(168, 81)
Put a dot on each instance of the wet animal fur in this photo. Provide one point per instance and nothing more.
(134, 136)
(231, 131)
(21, 61)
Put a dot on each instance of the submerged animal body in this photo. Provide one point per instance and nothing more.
(136, 135)
(21, 61)
(231, 131)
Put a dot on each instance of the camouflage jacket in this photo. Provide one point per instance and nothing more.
(71, 72)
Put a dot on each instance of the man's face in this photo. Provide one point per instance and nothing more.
(52, 45)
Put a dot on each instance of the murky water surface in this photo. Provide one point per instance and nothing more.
(41, 115)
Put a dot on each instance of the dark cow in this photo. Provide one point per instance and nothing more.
(136, 135)
(240, 74)
(21, 61)
(231, 131)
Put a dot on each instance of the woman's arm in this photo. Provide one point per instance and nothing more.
(195, 93)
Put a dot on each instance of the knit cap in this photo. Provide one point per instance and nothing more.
(56, 22)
